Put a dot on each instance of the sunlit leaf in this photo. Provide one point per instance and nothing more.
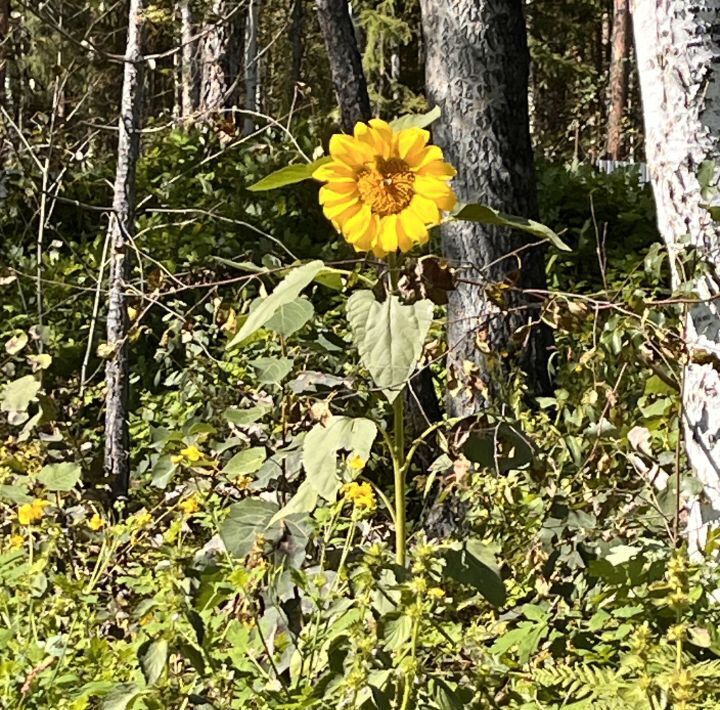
(416, 120)
(288, 175)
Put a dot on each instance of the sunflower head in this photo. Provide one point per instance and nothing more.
(384, 188)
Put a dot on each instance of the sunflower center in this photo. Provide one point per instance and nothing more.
(387, 186)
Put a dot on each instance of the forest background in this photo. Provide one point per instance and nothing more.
(551, 558)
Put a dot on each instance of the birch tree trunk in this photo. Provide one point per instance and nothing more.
(297, 49)
(252, 26)
(678, 49)
(345, 62)
(619, 70)
(220, 52)
(121, 230)
(477, 72)
(189, 88)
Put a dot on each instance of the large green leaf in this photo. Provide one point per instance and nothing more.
(320, 449)
(153, 657)
(59, 476)
(416, 120)
(487, 215)
(389, 337)
(288, 175)
(285, 292)
(121, 696)
(245, 462)
(289, 318)
(244, 417)
(246, 520)
(473, 563)
(271, 370)
(18, 394)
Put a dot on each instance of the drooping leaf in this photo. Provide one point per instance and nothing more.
(245, 462)
(389, 337)
(16, 343)
(271, 370)
(473, 563)
(59, 476)
(243, 417)
(288, 175)
(304, 501)
(416, 120)
(488, 215)
(17, 395)
(246, 520)
(153, 658)
(322, 444)
(285, 292)
(289, 318)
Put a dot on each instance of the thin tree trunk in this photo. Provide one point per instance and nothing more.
(4, 47)
(619, 71)
(345, 62)
(121, 229)
(252, 68)
(678, 49)
(477, 72)
(297, 43)
(189, 89)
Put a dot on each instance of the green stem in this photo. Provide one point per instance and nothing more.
(399, 471)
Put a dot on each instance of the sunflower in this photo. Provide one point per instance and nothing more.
(384, 188)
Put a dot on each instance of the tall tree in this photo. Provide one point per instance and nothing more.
(677, 43)
(4, 45)
(345, 62)
(189, 79)
(619, 71)
(477, 73)
(120, 235)
(252, 66)
(220, 54)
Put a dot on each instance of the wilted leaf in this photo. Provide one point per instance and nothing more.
(487, 215)
(16, 343)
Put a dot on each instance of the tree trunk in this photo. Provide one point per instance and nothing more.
(678, 49)
(4, 47)
(121, 229)
(345, 62)
(189, 89)
(220, 51)
(297, 49)
(477, 72)
(252, 67)
(619, 66)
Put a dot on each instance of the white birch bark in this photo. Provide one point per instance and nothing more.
(251, 65)
(678, 50)
(189, 88)
(121, 230)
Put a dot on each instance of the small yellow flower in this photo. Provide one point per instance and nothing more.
(141, 519)
(435, 593)
(361, 496)
(16, 541)
(189, 453)
(96, 522)
(356, 462)
(384, 188)
(28, 513)
(190, 505)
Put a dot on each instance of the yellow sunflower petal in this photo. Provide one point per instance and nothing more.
(405, 243)
(364, 241)
(437, 169)
(437, 190)
(349, 151)
(334, 172)
(356, 226)
(425, 209)
(413, 226)
(330, 197)
(334, 210)
(410, 142)
(388, 236)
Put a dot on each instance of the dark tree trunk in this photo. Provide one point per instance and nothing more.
(477, 72)
(345, 62)
(4, 47)
(297, 48)
(121, 230)
(619, 65)
(189, 84)
(220, 51)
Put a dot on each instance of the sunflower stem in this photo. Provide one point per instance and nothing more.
(398, 435)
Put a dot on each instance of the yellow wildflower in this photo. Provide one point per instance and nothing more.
(16, 541)
(361, 495)
(189, 453)
(384, 188)
(435, 593)
(28, 513)
(190, 505)
(96, 522)
(356, 462)
(142, 519)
